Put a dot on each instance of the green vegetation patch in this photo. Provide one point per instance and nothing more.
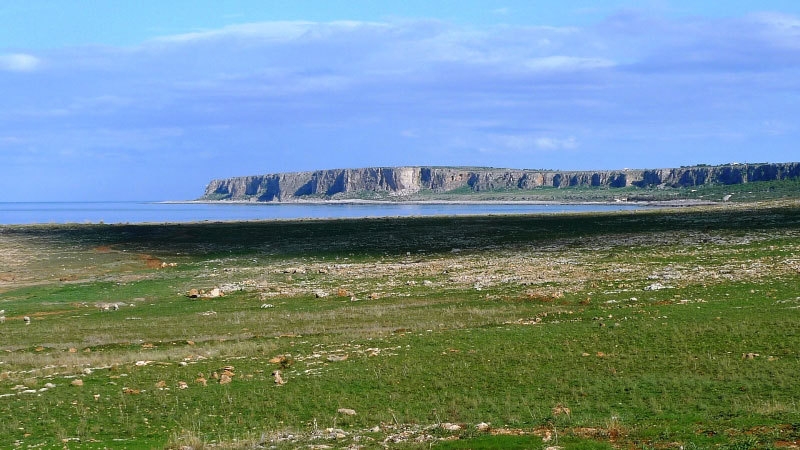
(654, 329)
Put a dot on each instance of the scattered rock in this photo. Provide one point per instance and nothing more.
(346, 411)
(655, 287)
(336, 358)
(483, 427)
(561, 410)
(77, 382)
(200, 293)
(283, 360)
(320, 294)
(225, 379)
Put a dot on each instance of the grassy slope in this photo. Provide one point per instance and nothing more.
(451, 337)
(747, 192)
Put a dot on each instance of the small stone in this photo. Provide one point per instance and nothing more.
(77, 382)
(483, 426)
(346, 411)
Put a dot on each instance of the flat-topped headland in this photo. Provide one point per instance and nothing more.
(413, 181)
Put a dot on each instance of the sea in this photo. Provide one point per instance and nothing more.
(18, 213)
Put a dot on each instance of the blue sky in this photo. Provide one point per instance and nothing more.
(149, 100)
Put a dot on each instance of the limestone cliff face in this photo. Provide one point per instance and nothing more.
(405, 181)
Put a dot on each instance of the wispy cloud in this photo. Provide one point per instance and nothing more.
(528, 143)
(19, 62)
(567, 63)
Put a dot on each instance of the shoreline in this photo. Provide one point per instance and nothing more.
(655, 203)
(337, 209)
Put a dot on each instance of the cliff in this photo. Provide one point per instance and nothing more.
(406, 181)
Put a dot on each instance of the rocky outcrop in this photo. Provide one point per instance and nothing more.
(407, 181)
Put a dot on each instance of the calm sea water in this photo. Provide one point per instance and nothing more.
(145, 212)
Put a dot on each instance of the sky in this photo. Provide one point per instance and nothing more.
(150, 100)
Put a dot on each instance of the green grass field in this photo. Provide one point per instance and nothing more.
(673, 328)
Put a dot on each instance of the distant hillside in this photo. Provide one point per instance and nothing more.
(409, 182)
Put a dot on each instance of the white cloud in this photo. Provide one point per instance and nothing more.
(783, 30)
(567, 63)
(19, 62)
(277, 31)
(550, 143)
(528, 143)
